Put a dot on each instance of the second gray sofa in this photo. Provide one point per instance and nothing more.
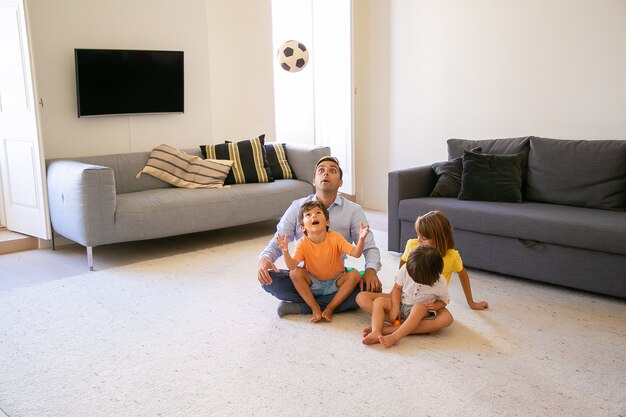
(97, 200)
(568, 227)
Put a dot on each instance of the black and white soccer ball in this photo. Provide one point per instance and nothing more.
(293, 56)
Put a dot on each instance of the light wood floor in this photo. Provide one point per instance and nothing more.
(31, 267)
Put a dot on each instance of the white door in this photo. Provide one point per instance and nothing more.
(21, 157)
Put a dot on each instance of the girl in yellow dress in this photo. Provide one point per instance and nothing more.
(433, 229)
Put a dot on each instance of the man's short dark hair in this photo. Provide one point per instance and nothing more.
(424, 265)
(330, 159)
(310, 205)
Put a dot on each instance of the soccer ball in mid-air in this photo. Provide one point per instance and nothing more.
(293, 56)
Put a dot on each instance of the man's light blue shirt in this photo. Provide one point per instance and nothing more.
(345, 217)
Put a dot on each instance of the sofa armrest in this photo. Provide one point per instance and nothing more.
(406, 183)
(303, 158)
(82, 200)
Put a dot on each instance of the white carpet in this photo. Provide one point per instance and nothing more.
(195, 335)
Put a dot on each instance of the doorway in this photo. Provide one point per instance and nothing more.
(24, 205)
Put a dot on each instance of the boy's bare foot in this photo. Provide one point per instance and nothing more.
(328, 316)
(387, 341)
(387, 329)
(316, 316)
(371, 338)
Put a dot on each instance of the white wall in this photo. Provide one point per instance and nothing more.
(228, 80)
(240, 58)
(425, 71)
(432, 70)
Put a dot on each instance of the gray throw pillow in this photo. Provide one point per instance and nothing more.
(489, 177)
(449, 173)
(581, 173)
(506, 146)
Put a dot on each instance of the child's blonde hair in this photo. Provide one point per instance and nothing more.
(436, 227)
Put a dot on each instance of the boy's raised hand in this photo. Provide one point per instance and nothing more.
(283, 243)
(364, 231)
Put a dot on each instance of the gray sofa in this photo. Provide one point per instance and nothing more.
(97, 200)
(569, 228)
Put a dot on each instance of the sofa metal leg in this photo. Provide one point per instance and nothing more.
(90, 257)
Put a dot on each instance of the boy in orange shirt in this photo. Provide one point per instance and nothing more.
(321, 250)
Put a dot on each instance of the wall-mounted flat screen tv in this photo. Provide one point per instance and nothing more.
(115, 81)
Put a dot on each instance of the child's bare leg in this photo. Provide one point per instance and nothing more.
(387, 329)
(346, 284)
(443, 320)
(302, 283)
(381, 307)
(418, 312)
(365, 299)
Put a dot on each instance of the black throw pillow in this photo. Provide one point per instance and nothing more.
(449, 173)
(250, 158)
(488, 177)
(277, 161)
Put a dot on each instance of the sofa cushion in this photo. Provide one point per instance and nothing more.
(250, 160)
(582, 173)
(277, 161)
(489, 177)
(493, 146)
(150, 214)
(183, 170)
(449, 177)
(593, 229)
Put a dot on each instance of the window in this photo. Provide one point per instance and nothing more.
(315, 105)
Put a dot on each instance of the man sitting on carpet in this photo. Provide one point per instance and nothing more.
(347, 218)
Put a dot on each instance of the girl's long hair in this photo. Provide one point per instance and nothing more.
(436, 227)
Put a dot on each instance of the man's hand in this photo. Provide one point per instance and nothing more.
(370, 281)
(265, 265)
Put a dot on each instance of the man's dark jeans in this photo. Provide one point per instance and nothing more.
(283, 289)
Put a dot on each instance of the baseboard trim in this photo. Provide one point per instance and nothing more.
(14, 242)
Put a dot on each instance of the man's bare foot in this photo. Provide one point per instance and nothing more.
(372, 338)
(316, 316)
(387, 341)
(327, 315)
(367, 330)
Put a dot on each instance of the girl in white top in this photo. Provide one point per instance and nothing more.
(419, 289)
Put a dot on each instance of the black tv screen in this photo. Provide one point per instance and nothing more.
(115, 81)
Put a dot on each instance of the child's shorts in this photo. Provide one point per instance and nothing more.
(405, 310)
(324, 287)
